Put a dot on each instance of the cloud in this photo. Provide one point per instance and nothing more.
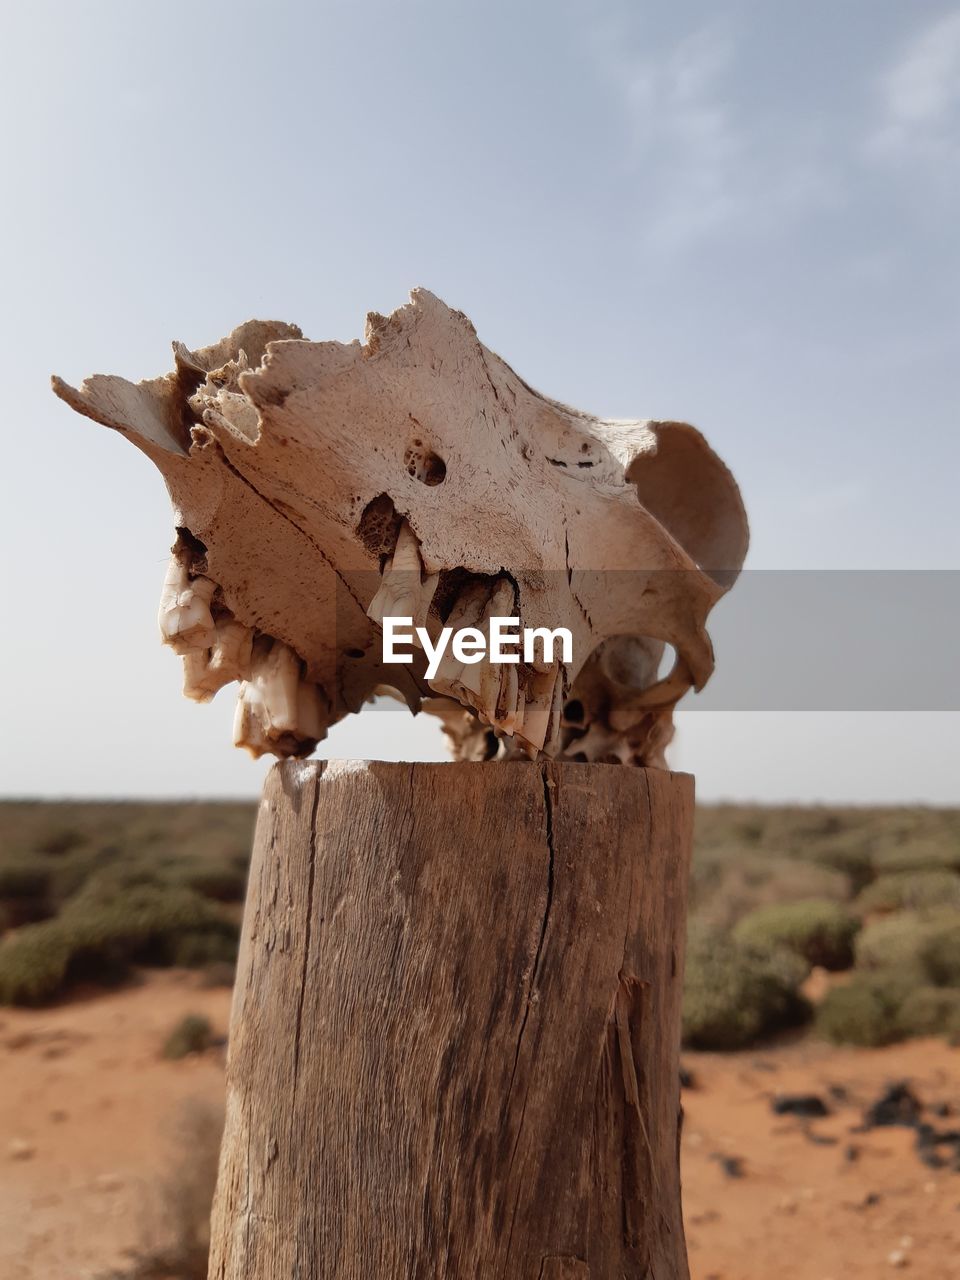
(679, 114)
(707, 164)
(920, 98)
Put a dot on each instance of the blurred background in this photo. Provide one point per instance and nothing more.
(738, 214)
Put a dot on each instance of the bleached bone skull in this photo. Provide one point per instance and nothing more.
(319, 486)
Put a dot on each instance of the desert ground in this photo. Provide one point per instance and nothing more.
(96, 1129)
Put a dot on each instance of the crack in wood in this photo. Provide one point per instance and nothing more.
(308, 931)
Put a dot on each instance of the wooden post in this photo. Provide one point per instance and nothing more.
(454, 1039)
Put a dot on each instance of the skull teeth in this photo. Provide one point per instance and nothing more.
(404, 592)
(477, 685)
(206, 671)
(186, 623)
(538, 706)
(278, 711)
(467, 611)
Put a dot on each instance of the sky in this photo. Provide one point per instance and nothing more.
(742, 215)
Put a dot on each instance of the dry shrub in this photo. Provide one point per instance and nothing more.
(192, 1034)
(175, 1240)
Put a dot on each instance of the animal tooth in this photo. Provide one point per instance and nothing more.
(207, 670)
(406, 554)
(195, 668)
(403, 592)
(521, 712)
(311, 711)
(277, 711)
(232, 654)
(539, 703)
(186, 623)
(248, 720)
(477, 684)
(278, 675)
(466, 612)
(491, 679)
(475, 677)
(507, 701)
(553, 739)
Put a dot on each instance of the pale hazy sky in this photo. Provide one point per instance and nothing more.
(739, 214)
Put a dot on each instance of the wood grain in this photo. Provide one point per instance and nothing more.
(455, 1030)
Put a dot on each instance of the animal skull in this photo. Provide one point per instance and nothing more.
(320, 486)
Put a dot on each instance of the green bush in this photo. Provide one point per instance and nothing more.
(60, 840)
(925, 945)
(866, 1010)
(894, 941)
(99, 939)
(730, 882)
(24, 890)
(192, 1034)
(23, 877)
(221, 880)
(733, 995)
(820, 932)
(853, 859)
(911, 890)
(200, 949)
(70, 874)
(930, 1011)
(34, 963)
(920, 854)
(881, 1007)
(941, 954)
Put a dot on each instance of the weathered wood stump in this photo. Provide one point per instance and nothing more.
(454, 1039)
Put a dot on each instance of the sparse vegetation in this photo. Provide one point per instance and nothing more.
(99, 938)
(753, 869)
(90, 891)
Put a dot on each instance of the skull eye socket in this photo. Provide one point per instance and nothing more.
(423, 464)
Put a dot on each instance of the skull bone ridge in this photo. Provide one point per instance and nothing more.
(319, 486)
